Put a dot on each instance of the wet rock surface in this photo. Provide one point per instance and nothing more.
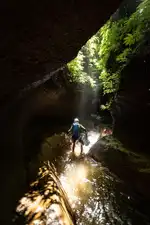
(36, 114)
(132, 169)
(95, 194)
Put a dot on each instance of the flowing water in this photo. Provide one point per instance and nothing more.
(81, 192)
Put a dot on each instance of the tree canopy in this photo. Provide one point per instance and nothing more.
(107, 53)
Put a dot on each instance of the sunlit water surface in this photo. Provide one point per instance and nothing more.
(95, 196)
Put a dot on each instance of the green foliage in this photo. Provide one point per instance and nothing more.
(111, 49)
(129, 40)
(83, 68)
(121, 40)
(107, 106)
(76, 68)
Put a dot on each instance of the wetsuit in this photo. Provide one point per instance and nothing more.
(76, 130)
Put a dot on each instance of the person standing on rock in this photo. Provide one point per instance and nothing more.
(77, 130)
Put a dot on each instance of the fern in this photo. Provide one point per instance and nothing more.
(129, 40)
